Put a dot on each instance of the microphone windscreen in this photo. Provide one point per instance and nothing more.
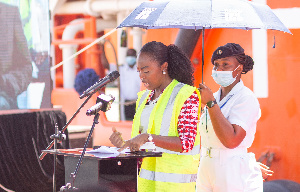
(114, 75)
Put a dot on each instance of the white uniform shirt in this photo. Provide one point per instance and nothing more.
(241, 107)
(130, 82)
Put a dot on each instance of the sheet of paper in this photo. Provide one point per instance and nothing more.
(108, 150)
(148, 145)
(105, 149)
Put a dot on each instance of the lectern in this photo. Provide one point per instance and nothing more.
(103, 172)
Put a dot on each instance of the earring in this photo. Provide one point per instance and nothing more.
(164, 72)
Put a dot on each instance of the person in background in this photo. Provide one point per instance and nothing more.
(228, 126)
(167, 114)
(84, 79)
(15, 61)
(129, 84)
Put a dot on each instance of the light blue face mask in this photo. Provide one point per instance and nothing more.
(130, 60)
(224, 78)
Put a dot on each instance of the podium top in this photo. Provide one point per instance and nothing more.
(101, 156)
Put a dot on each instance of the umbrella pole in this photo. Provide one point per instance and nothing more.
(202, 53)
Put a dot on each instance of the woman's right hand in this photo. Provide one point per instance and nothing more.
(206, 94)
(116, 138)
(136, 142)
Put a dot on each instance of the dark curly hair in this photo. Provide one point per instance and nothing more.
(179, 65)
(246, 61)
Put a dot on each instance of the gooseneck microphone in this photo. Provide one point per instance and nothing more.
(101, 83)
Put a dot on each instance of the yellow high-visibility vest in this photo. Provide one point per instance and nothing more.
(173, 171)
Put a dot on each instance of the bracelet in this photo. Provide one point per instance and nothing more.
(150, 138)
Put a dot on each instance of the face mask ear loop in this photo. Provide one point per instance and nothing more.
(234, 70)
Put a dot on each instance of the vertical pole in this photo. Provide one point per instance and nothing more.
(55, 157)
(202, 53)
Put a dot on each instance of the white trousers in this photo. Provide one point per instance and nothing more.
(228, 170)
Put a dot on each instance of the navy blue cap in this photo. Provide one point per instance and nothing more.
(228, 50)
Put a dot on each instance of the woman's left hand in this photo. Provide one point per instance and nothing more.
(135, 143)
(116, 138)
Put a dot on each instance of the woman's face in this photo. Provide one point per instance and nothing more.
(150, 71)
(228, 64)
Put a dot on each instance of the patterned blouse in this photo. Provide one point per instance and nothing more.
(187, 121)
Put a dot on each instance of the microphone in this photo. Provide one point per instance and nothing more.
(103, 103)
(101, 83)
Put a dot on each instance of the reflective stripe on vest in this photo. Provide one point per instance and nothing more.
(168, 177)
(143, 98)
(168, 112)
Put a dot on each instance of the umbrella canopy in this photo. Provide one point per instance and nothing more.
(203, 14)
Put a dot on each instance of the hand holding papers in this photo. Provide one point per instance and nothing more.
(105, 151)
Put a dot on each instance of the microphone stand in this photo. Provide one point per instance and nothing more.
(41, 157)
(105, 105)
(68, 186)
(59, 135)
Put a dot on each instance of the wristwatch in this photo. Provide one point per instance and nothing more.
(150, 138)
(210, 104)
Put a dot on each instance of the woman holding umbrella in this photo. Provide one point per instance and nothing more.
(228, 126)
(167, 114)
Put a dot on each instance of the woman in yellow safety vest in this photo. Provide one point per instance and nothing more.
(167, 113)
